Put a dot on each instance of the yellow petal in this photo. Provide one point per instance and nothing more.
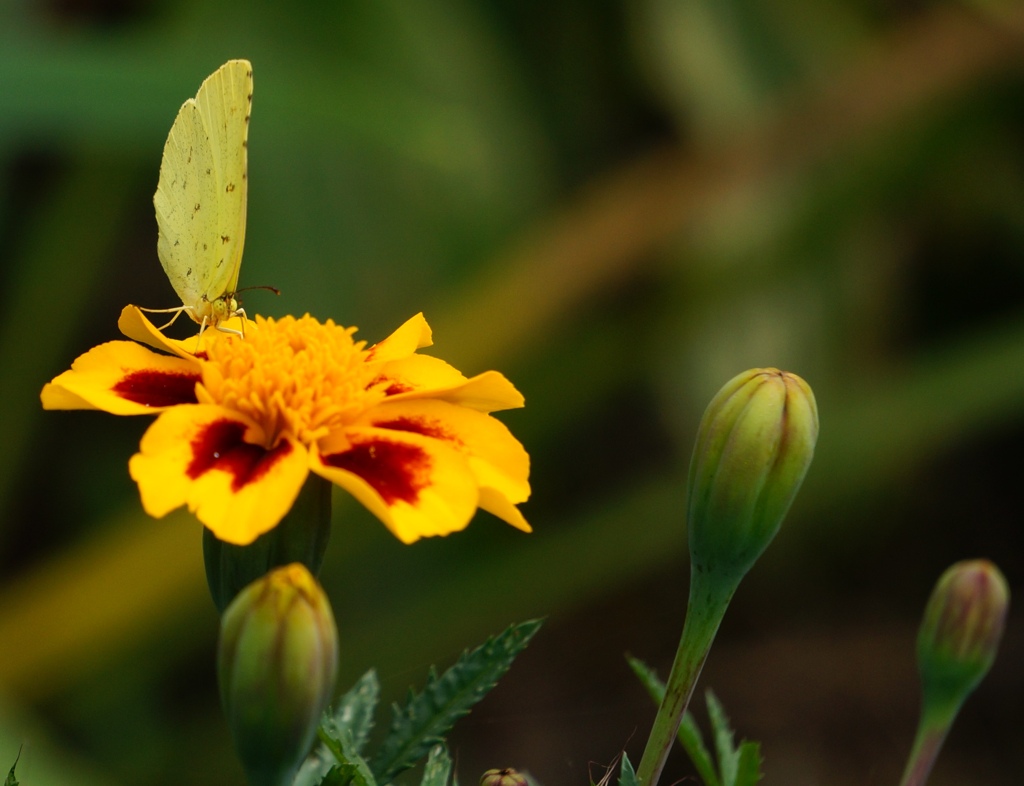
(213, 460)
(136, 325)
(423, 376)
(123, 378)
(412, 335)
(497, 459)
(497, 504)
(418, 373)
(416, 485)
(487, 392)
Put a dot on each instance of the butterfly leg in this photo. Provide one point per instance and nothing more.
(239, 312)
(176, 311)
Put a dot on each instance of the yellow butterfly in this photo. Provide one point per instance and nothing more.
(201, 197)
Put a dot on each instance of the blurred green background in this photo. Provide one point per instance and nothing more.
(618, 204)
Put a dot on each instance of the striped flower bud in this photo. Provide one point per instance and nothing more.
(277, 661)
(754, 446)
(961, 629)
(505, 777)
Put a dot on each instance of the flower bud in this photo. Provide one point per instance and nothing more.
(505, 777)
(961, 629)
(277, 660)
(753, 448)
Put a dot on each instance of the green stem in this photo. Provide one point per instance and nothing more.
(301, 536)
(931, 733)
(708, 602)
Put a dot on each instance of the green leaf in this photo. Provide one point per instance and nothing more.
(343, 733)
(654, 686)
(354, 712)
(11, 780)
(438, 769)
(689, 734)
(427, 717)
(338, 775)
(749, 772)
(693, 743)
(728, 756)
(627, 775)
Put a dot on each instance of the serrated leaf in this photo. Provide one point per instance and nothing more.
(627, 775)
(438, 768)
(428, 716)
(338, 775)
(354, 712)
(345, 728)
(728, 756)
(648, 678)
(748, 773)
(10, 780)
(693, 743)
(345, 772)
(689, 733)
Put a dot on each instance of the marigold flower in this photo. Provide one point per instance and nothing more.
(241, 422)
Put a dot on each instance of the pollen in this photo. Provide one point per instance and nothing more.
(295, 377)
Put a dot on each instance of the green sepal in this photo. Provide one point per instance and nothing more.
(627, 775)
(427, 717)
(438, 769)
(301, 536)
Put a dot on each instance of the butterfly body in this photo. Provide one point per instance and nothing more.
(201, 196)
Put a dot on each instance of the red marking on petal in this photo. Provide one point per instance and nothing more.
(428, 427)
(394, 387)
(219, 445)
(157, 388)
(395, 470)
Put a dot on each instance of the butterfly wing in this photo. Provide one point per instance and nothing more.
(201, 196)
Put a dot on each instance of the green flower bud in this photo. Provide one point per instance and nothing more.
(961, 629)
(277, 660)
(753, 448)
(505, 777)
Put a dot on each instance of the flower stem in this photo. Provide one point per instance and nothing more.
(926, 749)
(709, 598)
(301, 536)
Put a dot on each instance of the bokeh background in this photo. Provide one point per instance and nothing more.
(618, 204)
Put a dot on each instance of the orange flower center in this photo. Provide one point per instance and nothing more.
(291, 376)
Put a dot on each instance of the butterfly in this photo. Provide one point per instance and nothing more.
(201, 196)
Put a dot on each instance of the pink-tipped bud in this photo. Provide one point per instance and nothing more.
(961, 629)
(505, 777)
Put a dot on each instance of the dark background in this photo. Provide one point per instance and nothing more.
(620, 205)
